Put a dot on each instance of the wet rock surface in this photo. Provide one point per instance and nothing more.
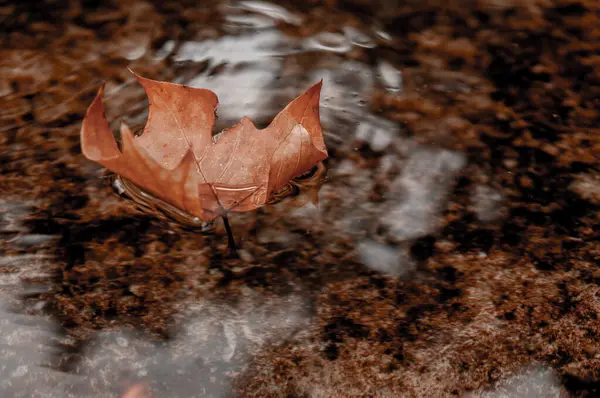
(454, 249)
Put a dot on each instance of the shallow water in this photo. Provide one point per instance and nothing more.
(453, 246)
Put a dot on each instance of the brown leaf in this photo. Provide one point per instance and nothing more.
(179, 161)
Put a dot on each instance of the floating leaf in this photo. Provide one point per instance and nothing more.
(178, 160)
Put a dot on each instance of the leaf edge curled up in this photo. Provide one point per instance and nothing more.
(97, 141)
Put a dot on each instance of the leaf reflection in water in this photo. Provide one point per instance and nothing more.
(302, 189)
(151, 204)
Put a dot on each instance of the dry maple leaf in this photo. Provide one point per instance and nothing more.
(178, 160)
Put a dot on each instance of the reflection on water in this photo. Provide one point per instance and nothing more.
(254, 68)
(391, 77)
(377, 132)
(27, 336)
(385, 258)
(26, 349)
(531, 382)
(251, 47)
(270, 10)
(328, 41)
(212, 342)
(418, 194)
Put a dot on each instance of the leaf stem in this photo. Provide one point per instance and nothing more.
(230, 240)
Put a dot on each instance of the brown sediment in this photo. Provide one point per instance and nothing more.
(507, 276)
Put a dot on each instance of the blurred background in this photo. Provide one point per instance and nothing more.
(454, 250)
